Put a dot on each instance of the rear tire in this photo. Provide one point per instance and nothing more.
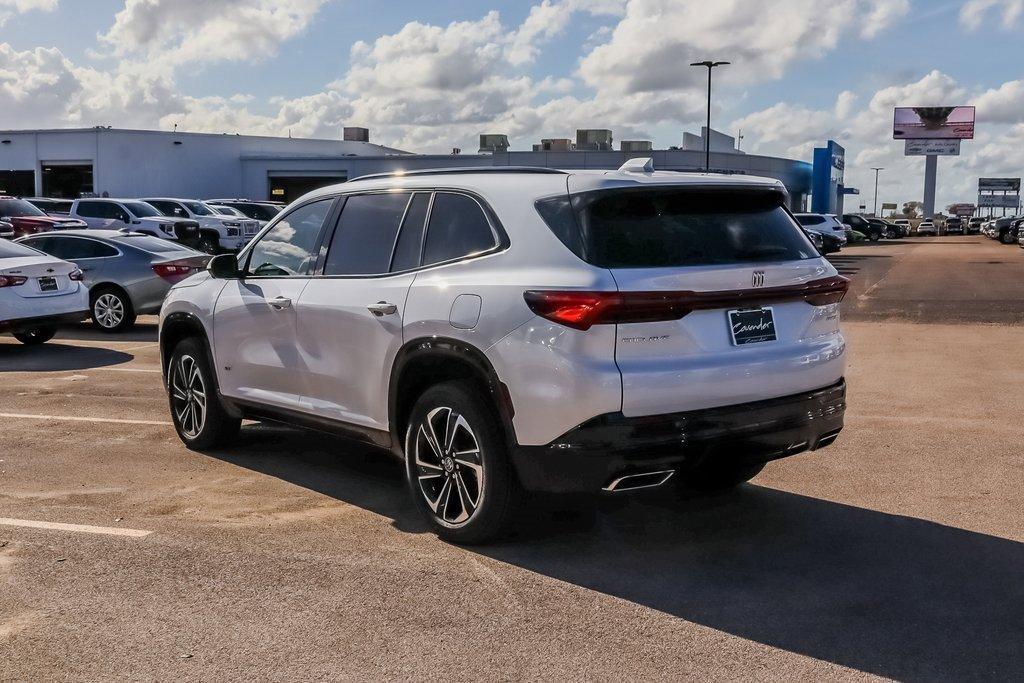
(35, 337)
(720, 474)
(1006, 238)
(199, 416)
(111, 309)
(458, 468)
(208, 244)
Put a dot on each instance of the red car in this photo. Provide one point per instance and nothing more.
(26, 219)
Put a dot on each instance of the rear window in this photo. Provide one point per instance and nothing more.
(810, 219)
(154, 245)
(12, 250)
(667, 228)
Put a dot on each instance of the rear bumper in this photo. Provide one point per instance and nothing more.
(609, 446)
(36, 322)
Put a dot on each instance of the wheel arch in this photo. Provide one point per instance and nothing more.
(177, 327)
(421, 363)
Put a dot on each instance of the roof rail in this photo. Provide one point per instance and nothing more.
(461, 171)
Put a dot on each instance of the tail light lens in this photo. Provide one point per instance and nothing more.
(12, 280)
(76, 275)
(581, 310)
(172, 271)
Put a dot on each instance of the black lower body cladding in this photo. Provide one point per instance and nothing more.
(610, 446)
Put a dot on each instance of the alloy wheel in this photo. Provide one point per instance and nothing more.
(109, 310)
(449, 468)
(188, 396)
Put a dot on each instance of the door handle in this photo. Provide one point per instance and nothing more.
(382, 308)
(281, 303)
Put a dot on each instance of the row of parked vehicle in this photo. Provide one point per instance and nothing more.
(108, 259)
(213, 226)
(1008, 229)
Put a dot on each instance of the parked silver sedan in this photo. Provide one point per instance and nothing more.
(128, 274)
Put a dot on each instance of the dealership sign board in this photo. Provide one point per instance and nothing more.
(923, 148)
(999, 184)
(1006, 201)
(933, 123)
(962, 210)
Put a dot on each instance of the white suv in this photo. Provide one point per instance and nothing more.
(217, 232)
(512, 329)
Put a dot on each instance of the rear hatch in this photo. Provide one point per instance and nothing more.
(725, 300)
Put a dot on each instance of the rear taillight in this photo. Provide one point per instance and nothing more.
(581, 310)
(172, 270)
(12, 280)
(76, 275)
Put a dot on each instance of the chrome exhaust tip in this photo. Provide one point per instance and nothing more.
(641, 480)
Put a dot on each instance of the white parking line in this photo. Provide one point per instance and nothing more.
(81, 528)
(76, 418)
(155, 371)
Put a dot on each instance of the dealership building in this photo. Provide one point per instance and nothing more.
(135, 163)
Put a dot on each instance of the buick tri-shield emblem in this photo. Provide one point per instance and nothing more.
(757, 280)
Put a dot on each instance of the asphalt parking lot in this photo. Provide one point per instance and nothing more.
(898, 552)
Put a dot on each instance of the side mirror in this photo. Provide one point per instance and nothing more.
(224, 267)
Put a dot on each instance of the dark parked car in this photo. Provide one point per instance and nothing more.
(955, 226)
(53, 207)
(873, 232)
(26, 219)
(1002, 229)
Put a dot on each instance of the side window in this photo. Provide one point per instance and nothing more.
(90, 209)
(410, 239)
(457, 228)
(167, 208)
(365, 237)
(287, 250)
(71, 248)
(118, 212)
(43, 244)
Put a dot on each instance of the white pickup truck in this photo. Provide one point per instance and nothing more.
(135, 216)
(217, 233)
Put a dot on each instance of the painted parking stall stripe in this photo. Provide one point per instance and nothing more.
(78, 528)
(78, 418)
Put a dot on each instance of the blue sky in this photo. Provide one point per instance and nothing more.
(431, 76)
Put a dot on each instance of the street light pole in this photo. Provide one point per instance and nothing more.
(707, 132)
(876, 170)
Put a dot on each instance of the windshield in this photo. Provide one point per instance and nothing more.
(142, 210)
(17, 208)
(671, 227)
(261, 212)
(198, 208)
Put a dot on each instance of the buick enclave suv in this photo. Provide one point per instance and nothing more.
(512, 330)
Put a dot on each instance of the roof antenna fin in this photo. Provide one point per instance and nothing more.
(638, 165)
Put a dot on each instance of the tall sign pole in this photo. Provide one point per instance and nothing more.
(931, 166)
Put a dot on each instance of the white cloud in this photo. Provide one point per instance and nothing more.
(651, 46)
(973, 13)
(866, 133)
(174, 32)
(9, 8)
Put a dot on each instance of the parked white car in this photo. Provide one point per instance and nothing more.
(468, 323)
(38, 293)
(135, 216)
(825, 223)
(217, 233)
(927, 227)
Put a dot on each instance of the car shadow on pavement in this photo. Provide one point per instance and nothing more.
(140, 332)
(55, 357)
(852, 264)
(880, 593)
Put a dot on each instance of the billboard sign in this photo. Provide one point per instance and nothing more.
(999, 184)
(962, 210)
(1005, 201)
(922, 148)
(933, 123)
(888, 206)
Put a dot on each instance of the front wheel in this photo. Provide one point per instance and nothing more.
(875, 236)
(198, 415)
(208, 244)
(35, 337)
(457, 465)
(891, 234)
(1006, 238)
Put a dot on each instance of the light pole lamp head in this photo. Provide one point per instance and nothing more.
(709, 64)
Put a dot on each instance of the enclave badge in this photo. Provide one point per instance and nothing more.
(757, 280)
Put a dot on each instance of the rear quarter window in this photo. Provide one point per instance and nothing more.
(673, 227)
